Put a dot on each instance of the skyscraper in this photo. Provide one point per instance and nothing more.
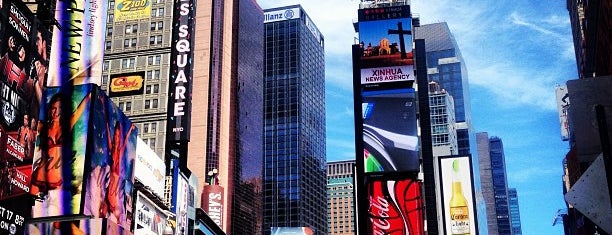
(442, 112)
(515, 215)
(226, 96)
(294, 121)
(494, 183)
(445, 65)
(340, 197)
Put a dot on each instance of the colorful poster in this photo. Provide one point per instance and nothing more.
(86, 226)
(59, 156)
(395, 207)
(132, 10)
(456, 187)
(78, 49)
(390, 131)
(110, 175)
(149, 219)
(127, 84)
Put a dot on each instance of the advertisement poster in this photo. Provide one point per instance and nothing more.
(457, 195)
(59, 156)
(86, 226)
(110, 179)
(132, 10)
(78, 49)
(150, 169)
(563, 104)
(390, 131)
(395, 207)
(291, 231)
(127, 84)
(149, 219)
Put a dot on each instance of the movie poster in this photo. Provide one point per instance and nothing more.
(110, 174)
(395, 207)
(59, 156)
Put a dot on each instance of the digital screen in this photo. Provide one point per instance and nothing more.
(457, 195)
(395, 207)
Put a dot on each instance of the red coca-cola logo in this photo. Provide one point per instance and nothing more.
(395, 208)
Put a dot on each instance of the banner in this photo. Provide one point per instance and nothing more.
(132, 10)
(395, 207)
(78, 49)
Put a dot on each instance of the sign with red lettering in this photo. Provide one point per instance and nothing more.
(126, 84)
(212, 203)
(395, 207)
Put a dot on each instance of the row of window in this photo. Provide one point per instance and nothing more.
(148, 104)
(133, 28)
(132, 42)
(130, 63)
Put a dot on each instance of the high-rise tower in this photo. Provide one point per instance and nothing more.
(515, 214)
(341, 197)
(446, 66)
(226, 96)
(294, 122)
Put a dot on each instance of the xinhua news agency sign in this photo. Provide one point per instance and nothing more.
(181, 71)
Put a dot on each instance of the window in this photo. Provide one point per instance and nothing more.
(121, 105)
(111, 4)
(152, 143)
(108, 45)
(106, 65)
(147, 104)
(148, 89)
(156, 74)
(128, 63)
(128, 106)
(153, 26)
(149, 75)
(111, 18)
(109, 31)
(160, 25)
(155, 103)
(157, 59)
(129, 42)
(155, 88)
(154, 127)
(155, 40)
(154, 60)
(145, 128)
(150, 60)
(128, 29)
(160, 12)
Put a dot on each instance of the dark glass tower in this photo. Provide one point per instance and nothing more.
(294, 186)
(515, 214)
(494, 183)
(446, 66)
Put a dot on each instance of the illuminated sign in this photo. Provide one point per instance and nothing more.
(132, 10)
(457, 195)
(126, 84)
(212, 203)
(181, 72)
(282, 15)
(149, 168)
(395, 207)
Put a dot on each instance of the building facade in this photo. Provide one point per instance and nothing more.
(515, 215)
(294, 121)
(226, 97)
(341, 197)
(494, 183)
(442, 112)
(445, 65)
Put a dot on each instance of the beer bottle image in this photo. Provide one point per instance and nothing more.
(459, 212)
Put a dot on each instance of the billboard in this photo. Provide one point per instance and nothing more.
(59, 155)
(149, 219)
(213, 202)
(291, 231)
(150, 169)
(395, 207)
(563, 104)
(132, 10)
(181, 71)
(126, 84)
(457, 195)
(78, 49)
(180, 202)
(390, 131)
(86, 226)
(110, 167)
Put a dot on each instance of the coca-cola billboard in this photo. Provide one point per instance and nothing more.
(395, 207)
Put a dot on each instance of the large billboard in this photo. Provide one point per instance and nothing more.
(132, 10)
(181, 71)
(457, 195)
(126, 84)
(78, 42)
(59, 156)
(563, 104)
(388, 108)
(150, 169)
(149, 219)
(395, 207)
(291, 231)
(110, 167)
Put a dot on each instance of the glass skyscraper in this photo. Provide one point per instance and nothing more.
(294, 170)
(515, 215)
(494, 183)
(446, 66)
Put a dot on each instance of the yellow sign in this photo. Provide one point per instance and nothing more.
(132, 10)
(126, 83)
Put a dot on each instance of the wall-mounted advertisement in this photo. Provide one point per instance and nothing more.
(390, 131)
(78, 49)
(132, 10)
(180, 205)
(181, 72)
(386, 46)
(126, 84)
(213, 203)
(59, 156)
(149, 168)
(395, 207)
(291, 231)
(149, 219)
(282, 15)
(110, 175)
(457, 191)
(86, 226)
(563, 104)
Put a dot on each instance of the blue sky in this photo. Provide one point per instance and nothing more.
(515, 52)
